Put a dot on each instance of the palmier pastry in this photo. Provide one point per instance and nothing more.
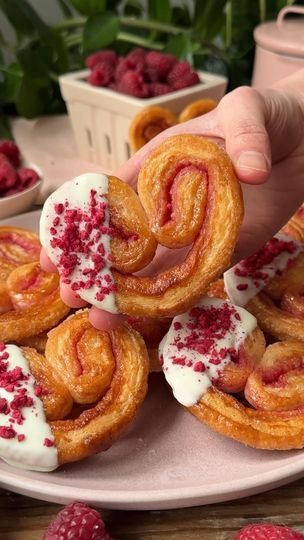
(197, 108)
(17, 246)
(148, 123)
(275, 389)
(216, 337)
(270, 285)
(96, 232)
(79, 397)
(295, 226)
(36, 305)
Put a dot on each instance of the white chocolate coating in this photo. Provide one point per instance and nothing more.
(254, 286)
(76, 195)
(187, 384)
(31, 452)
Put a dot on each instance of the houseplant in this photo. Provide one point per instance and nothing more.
(213, 35)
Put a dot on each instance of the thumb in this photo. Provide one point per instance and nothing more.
(241, 114)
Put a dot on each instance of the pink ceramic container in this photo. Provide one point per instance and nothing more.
(279, 47)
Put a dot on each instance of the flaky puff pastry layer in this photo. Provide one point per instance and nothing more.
(271, 425)
(36, 303)
(295, 226)
(17, 246)
(197, 108)
(279, 308)
(93, 384)
(148, 123)
(191, 197)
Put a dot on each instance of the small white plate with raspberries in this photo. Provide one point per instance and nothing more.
(20, 181)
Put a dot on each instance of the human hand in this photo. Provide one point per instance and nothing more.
(263, 133)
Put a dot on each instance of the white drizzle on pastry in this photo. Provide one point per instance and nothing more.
(248, 277)
(75, 231)
(26, 439)
(200, 343)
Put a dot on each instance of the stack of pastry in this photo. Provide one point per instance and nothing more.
(102, 237)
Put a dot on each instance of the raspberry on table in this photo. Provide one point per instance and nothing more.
(106, 55)
(267, 531)
(158, 65)
(77, 521)
(132, 83)
(8, 175)
(102, 73)
(11, 151)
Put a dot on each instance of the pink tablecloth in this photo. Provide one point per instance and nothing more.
(49, 143)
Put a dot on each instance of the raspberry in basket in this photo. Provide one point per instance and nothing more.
(159, 65)
(101, 74)
(132, 83)
(182, 76)
(101, 56)
(77, 521)
(8, 175)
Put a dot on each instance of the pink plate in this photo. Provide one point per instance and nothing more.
(167, 459)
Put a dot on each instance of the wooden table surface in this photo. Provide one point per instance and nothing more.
(22, 518)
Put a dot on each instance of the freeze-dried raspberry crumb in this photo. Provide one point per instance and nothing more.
(158, 65)
(77, 521)
(106, 55)
(11, 151)
(8, 175)
(132, 83)
(267, 531)
(102, 74)
(27, 177)
(159, 89)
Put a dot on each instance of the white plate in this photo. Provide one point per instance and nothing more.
(167, 459)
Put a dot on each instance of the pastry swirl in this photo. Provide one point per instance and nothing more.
(189, 197)
(279, 308)
(92, 384)
(17, 246)
(36, 305)
(148, 123)
(197, 108)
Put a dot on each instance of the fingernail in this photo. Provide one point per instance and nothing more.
(253, 160)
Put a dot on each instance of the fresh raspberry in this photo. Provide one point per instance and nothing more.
(77, 522)
(132, 83)
(27, 177)
(8, 175)
(127, 64)
(102, 74)
(267, 531)
(11, 151)
(101, 56)
(137, 57)
(159, 89)
(181, 76)
(158, 65)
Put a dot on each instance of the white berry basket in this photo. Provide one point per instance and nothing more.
(101, 117)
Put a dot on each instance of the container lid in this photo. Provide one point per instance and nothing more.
(285, 36)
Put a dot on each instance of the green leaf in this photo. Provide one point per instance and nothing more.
(242, 17)
(133, 8)
(60, 56)
(160, 10)
(23, 17)
(181, 16)
(11, 83)
(180, 46)
(99, 31)
(89, 7)
(5, 132)
(32, 99)
(209, 17)
(35, 59)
